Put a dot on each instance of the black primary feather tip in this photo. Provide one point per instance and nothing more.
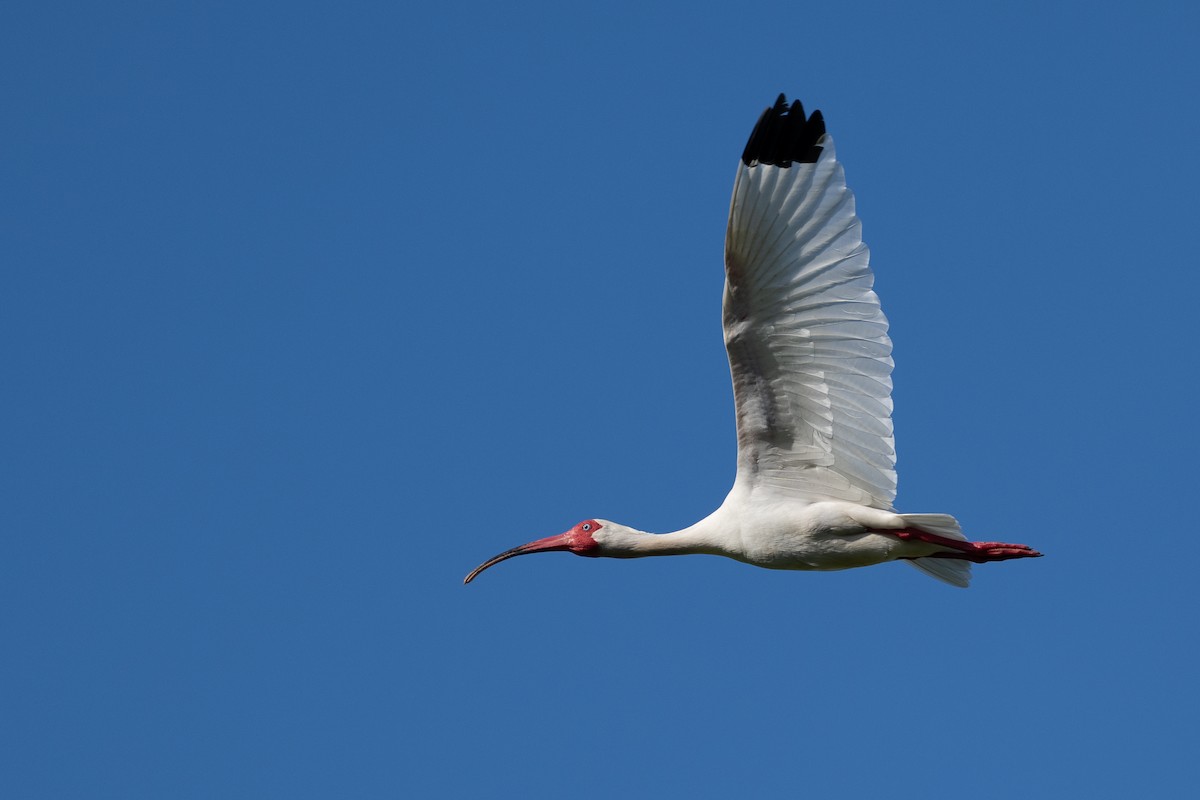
(783, 135)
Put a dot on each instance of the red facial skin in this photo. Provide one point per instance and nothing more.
(578, 540)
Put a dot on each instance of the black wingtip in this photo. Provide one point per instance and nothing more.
(783, 135)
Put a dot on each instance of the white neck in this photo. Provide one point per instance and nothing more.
(698, 538)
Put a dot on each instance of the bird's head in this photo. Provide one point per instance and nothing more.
(592, 537)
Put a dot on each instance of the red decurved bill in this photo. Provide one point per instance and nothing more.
(563, 541)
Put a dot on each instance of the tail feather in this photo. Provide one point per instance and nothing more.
(941, 524)
(949, 570)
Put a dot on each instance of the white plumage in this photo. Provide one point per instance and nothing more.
(808, 346)
(811, 364)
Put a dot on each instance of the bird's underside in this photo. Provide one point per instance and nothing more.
(811, 363)
(778, 532)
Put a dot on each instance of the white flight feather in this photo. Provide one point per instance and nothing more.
(808, 346)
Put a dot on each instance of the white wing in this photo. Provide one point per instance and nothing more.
(807, 341)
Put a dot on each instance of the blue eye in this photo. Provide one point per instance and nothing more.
(587, 526)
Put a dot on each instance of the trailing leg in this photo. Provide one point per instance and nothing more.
(977, 552)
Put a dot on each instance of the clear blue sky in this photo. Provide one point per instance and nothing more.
(307, 309)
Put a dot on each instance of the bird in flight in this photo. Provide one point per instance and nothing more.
(811, 363)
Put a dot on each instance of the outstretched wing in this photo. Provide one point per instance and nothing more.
(808, 345)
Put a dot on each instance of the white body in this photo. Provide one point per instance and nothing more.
(778, 533)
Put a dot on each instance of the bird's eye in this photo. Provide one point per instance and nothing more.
(587, 526)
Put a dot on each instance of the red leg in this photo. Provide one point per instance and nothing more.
(978, 552)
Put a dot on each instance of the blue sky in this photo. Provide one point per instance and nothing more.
(310, 308)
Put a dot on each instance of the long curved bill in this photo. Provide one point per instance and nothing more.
(562, 541)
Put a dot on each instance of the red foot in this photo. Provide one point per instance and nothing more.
(978, 552)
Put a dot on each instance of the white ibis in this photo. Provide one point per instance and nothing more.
(811, 364)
